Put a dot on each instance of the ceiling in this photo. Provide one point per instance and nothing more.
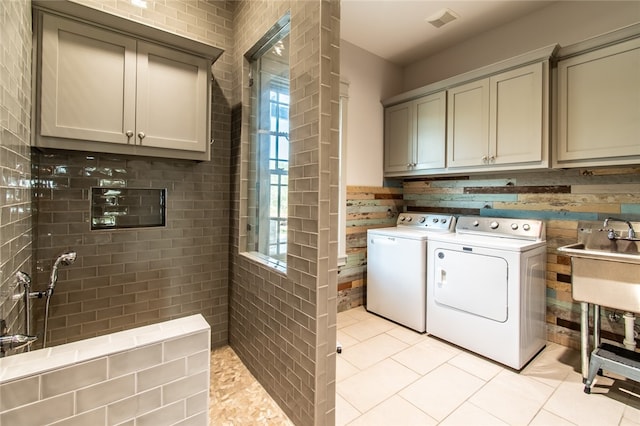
(396, 30)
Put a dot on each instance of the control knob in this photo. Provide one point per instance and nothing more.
(514, 226)
(494, 225)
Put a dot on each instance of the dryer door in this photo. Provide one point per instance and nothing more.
(471, 282)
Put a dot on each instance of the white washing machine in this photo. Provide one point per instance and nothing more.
(396, 267)
(486, 288)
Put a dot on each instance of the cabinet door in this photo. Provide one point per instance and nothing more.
(516, 116)
(88, 82)
(171, 99)
(599, 104)
(431, 119)
(468, 124)
(398, 137)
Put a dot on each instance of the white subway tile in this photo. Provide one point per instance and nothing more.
(74, 377)
(105, 393)
(198, 403)
(130, 408)
(134, 360)
(40, 413)
(161, 374)
(19, 392)
(184, 388)
(200, 419)
(94, 417)
(167, 415)
(183, 346)
(198, 362)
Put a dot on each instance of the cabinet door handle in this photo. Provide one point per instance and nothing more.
(484, 159)
(129, 133)
(141, 135)
(492, 158)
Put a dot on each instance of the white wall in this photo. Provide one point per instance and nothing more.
(563, 22)
(371, 79)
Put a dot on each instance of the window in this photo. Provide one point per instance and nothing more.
(269, 141)
(342, 208)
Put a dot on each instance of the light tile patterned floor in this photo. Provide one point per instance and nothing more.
(237, 399)
(391, 376)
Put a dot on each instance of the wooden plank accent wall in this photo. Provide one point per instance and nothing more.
(367, 207)
(559, 197)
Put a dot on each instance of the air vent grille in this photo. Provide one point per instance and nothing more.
(442, 17)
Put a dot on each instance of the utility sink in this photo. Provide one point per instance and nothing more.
(620, 251)
(605, 272)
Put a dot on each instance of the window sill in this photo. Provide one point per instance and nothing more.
(278, 265)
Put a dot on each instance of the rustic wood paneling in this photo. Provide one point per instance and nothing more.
(512, 189)
(559, 197)
(367, 208)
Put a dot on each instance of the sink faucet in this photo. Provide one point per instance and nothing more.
(612, 234)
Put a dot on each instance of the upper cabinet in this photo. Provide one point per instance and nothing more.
(599, 107)
(415, 136)
(500, 121)
(494, 118)
(108, 91)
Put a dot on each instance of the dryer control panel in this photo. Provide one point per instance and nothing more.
(525, 229)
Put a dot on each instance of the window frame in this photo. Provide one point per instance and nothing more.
(266, 163)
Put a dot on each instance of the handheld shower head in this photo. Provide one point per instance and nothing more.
(65, 259)
(68, 258)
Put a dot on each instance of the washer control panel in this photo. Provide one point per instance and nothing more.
(427, 221)
(528, 229)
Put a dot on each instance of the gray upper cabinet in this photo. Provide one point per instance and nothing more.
(106, 91)
(88, 82)
(599, 107)
(500, 122)
(415, 136)
(494, 118)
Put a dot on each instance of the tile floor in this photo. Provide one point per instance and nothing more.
(237, 399)
(389, 375)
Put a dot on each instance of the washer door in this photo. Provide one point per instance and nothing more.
(471, 282)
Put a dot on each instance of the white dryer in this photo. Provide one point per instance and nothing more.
(486, 288)
(397, 267)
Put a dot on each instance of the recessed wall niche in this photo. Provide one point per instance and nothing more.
(116, 208)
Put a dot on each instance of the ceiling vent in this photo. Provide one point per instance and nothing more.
(442, 17)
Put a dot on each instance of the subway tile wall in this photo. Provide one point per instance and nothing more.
(15, 170)
(154, 375)
(124, 278)
(283, 325)
(132, 277)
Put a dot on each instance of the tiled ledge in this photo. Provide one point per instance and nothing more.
(13, 367)
(157, 374)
